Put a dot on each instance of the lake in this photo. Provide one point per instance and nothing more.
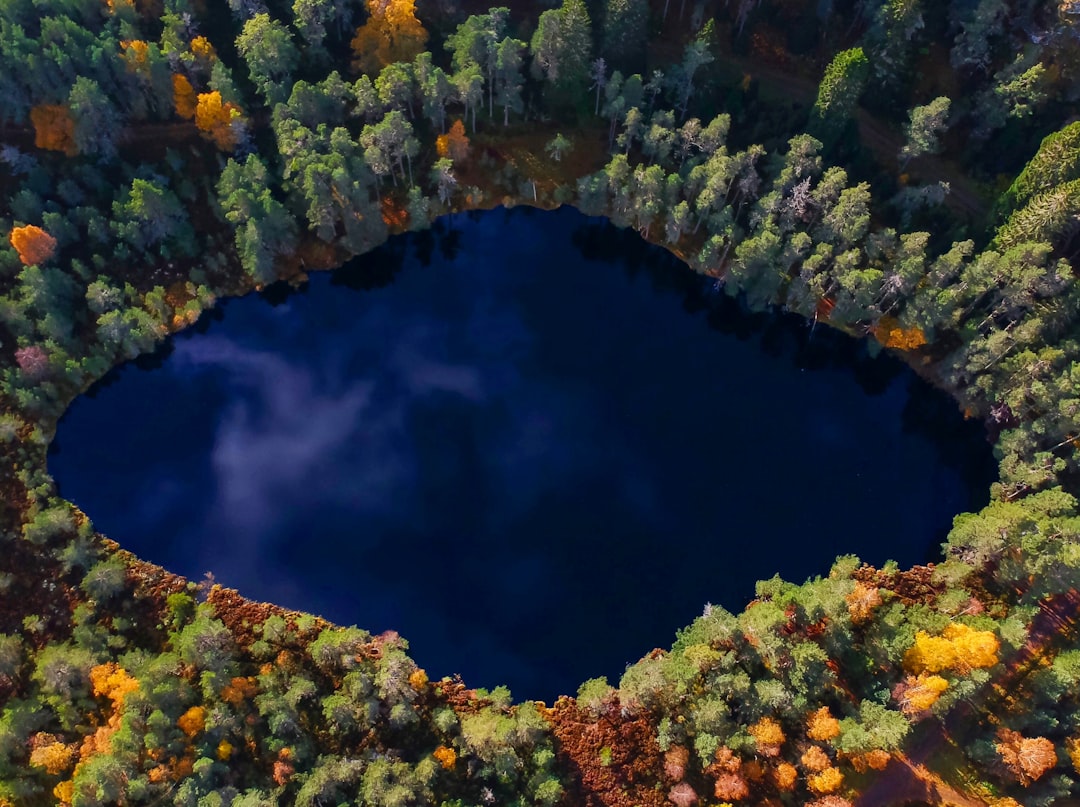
(529, 442)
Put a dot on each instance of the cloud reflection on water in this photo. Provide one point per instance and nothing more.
(535, 467)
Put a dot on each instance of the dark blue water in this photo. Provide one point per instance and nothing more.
(530, 443)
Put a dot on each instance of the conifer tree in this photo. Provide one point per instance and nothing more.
(562, 46)
(838, 94)
(625, 32)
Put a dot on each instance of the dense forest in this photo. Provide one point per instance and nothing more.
(903, 170)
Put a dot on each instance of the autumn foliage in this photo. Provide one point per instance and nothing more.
(730, 784)
(391, 34)
(454, 144)
(828, 781)
(394, 215)
(202, 49)
(784, 776)
(136, 55)
(814, 759)
(239, 689)
(193, 721)
(184, 99)
(959, 649)
(55, 757)
(918, 693)
(675, 761)
(54, 128)
(218, 119)
(876, 760)
(889, 332)
(112, 682)
(861, 602)
(1072, 748)
(683, 795)
(1027, 758)
(822, 726)
(768, 735)
(34, 245)
(447, 757)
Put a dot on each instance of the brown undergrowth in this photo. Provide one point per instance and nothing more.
(614, 759)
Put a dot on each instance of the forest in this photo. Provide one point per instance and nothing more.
(903, 170)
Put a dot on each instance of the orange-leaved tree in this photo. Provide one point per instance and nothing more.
(391, 34)
(1027, 758)
(891, 333)
(220, 120)
(184, 100)
(768, 735)
(454, 144)
(821, 725)
(54, 128)
(33, 244)
(109, 681)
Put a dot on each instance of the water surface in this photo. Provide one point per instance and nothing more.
(530, 443)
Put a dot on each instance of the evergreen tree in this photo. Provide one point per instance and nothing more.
(562, 46)
(264, 228)
(508, 76)
(625, 31)
(838, 94)
(270, 54)
(97, 121)
(924, 128)
(476, 42)
(1057, 161)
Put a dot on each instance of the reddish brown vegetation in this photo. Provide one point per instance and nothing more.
(394, 215)
(33, 361)
(628, 777)
(912, 585)
(54, 128)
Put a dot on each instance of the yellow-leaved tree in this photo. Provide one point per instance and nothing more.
(136, 55)
(959, 649)
(391, 34)
(220, 120)
(920, 692)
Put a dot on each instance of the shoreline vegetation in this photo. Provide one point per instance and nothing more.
(156, 156)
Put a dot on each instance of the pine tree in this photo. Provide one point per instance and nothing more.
(838, 94)
(925, 126)
(1056, 162)
(625, 32)
(562, 46)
